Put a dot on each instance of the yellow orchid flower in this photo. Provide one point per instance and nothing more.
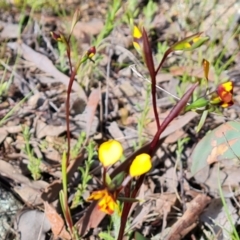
(223, 95)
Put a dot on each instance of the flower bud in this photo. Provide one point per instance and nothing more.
(110, 152)
(91, 52)
(137, 39)
(140, 165)
(190, 43)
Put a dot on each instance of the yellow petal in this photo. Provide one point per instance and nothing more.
(140, 165)
(110, 152)
(136, 32)
(228, 86)
(97, 195)
(137, 39)
(225, 105)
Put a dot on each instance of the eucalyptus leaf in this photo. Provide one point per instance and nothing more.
(220, 144)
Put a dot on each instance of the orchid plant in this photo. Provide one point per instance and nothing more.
(59, 37)
(135, 167)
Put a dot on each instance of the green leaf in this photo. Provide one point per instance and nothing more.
(62, 202)
(116, 181)
(64, 172)
(105, 236)
(82, 170)
(199, 103)
(220, 144)
(139, 236)
(202, 120)
(108, 179)
(190, 43)
(125, 199)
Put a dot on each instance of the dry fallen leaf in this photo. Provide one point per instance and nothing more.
(175, 125)
(195, 72)
(56, 222)
(9, 30)
(3, 134)
(29, 191)
(32, 224)
(90, 219)
(93, 27)
(29, 195)
(43, 130)
(91, 107)
(156, 206)
(7, 170)
(216, 213)
(44, 64)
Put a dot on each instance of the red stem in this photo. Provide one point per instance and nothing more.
(73, 73)
(125, 211)
(71, 80)
(163, 59)
(69, 56)
(151, 69)
(104, 176)
(68, 215)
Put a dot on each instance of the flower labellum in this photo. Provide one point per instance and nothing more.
(110, 152)
(106, 202)
(140, 165)
(56, 36)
